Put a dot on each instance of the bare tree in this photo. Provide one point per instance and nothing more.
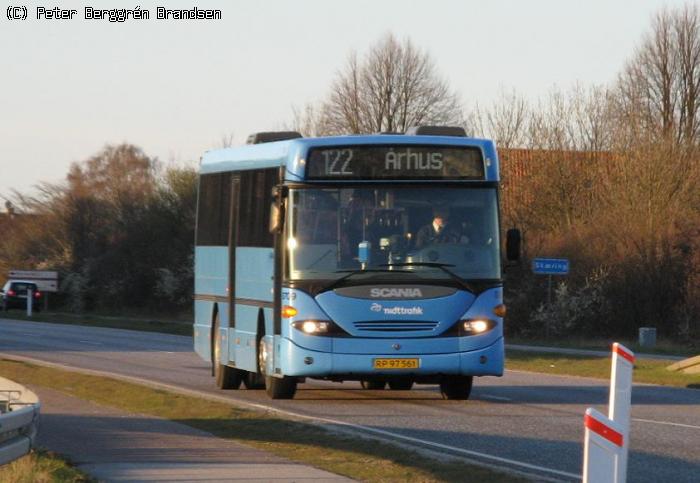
(307, 120)
(395, 86)
(591, 125)
(658, 89)
(505, 120)
(687, 30)
(227, 140)
(121, 172)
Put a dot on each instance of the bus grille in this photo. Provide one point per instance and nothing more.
(395, 325)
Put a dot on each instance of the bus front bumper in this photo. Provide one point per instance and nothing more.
(297, 361)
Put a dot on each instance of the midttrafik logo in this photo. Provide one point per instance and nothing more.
(375, 307)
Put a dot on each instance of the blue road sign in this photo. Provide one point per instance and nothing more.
(550, 266)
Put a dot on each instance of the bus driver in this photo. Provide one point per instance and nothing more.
(436, 232)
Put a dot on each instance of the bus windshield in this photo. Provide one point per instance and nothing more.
(406, 232)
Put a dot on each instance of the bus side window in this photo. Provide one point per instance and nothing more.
(254, 209)
(212, 209)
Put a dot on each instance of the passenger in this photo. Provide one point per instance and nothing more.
(464, 235)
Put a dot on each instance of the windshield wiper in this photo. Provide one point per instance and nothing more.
(351, 273)
(441, 266)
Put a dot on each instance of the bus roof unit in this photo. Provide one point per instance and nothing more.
(455, 131)
(272, 136)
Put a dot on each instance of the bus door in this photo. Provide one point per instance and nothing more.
(232, 242)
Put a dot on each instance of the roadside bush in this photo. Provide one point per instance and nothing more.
(117, 216)
(579, 310)
(73, 288)
(174, 285)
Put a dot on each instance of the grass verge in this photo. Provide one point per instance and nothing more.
(355, 457)
(42, 467)
(645, 370)
(114, 322)
(663, 346)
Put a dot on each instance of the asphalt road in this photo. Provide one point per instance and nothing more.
(531, 422)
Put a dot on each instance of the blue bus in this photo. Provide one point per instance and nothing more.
(370, 258)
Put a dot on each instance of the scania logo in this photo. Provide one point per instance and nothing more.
(375, 307)
(395, 293)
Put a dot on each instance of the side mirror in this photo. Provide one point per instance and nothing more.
(513, 239)
(276, 218)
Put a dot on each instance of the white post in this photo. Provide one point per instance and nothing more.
(620, 405)
(30, 301)
(602, 449)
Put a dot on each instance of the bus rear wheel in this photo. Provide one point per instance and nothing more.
(253, 380)
(226, 377)
(456, 387)
(373, 385)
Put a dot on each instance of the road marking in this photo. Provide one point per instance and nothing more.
(666, 423)
(234, 401)
(495, 398)
(90, 342)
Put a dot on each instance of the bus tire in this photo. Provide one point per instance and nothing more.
(256, 380)
(373, 385)
(253, 380)
(280, 388)
(275, 387)
(400, 385)
(456, 387)
(226, 377)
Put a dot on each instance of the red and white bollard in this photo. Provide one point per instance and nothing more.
(30, 302)
(606, 441)
(602, 449)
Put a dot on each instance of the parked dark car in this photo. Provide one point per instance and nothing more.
(14, 295)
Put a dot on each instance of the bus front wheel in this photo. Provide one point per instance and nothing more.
(456, 387)
(275, 387)
(280, 388)
(226, 377)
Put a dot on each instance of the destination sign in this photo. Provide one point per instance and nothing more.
(395, 162)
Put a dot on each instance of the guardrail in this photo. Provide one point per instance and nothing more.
(689, 366)
(19, 418)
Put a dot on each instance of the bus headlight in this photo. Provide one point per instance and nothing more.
(476, 326)
(312, 327)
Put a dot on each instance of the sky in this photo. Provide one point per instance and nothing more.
(177, 88)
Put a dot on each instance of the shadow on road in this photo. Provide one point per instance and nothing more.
(511, 395)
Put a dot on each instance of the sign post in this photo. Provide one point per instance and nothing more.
(549, 267)
(30, 302)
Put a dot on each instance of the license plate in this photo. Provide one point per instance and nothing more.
(396, 363)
